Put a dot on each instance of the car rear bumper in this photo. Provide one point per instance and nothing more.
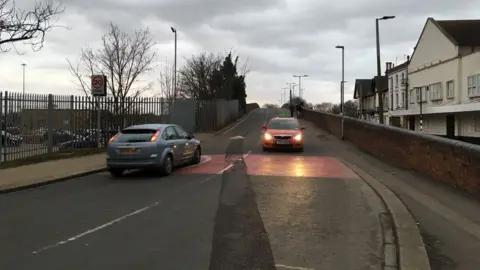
(133, 164)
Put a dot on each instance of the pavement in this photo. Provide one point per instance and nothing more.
(268, 210)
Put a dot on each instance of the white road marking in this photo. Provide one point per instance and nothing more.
(207, 159)
(224, 169)
(238, 123)
(103, 226)
(292, 267)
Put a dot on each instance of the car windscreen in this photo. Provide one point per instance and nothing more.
(283, 124)
(135, 135)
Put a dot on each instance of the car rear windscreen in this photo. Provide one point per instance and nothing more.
(135, 135)
(283, 124)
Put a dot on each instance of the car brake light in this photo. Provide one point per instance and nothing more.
(155, 136)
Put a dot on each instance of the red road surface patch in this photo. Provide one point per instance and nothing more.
(298, 166)
(279, 165)
(213, 166)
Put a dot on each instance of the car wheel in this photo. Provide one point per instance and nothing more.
(116, 173)
(167, 166)
(264, 149)
(300, 150)
(197, 157)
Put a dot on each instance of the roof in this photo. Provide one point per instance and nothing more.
(403, 65)
(380, 83)
(147, 126)
(459, 32)
(363, 86)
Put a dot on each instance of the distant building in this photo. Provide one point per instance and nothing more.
(444, 80)
(397, 92)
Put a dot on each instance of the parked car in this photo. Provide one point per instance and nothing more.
(9, 139)
(159, 147)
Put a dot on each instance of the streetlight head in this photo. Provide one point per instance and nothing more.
(173, 29)
(305, 75)
(387, 17)
(339, 47)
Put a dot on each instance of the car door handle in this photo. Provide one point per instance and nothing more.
(170, 144)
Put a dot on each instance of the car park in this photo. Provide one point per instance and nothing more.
(157, 147)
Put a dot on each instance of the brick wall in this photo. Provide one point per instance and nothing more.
(452, 162)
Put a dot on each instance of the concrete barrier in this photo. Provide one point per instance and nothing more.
(453, 162)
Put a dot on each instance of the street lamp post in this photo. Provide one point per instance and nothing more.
(300, 93)
(379, 68)
(342, 87)
(175, 64)
(23, 67)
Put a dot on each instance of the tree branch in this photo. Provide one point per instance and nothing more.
(29, 26)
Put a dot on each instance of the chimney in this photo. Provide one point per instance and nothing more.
(408, 58)
(388, 66)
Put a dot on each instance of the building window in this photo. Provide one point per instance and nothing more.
(417, 92)
(436, 91)
(474, 86)
(425, 93)
(396, 100)
(403, 79)
(403, 100)
(396, 80)
(477, 124)
(450, 89)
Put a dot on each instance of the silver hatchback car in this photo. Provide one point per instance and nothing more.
(160, 147)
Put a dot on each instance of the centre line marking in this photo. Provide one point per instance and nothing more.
(108, 224)
(224, 169)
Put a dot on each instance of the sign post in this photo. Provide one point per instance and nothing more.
(99, 89)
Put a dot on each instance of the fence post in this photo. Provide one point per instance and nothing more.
(72, 120)
(49, 124)
(3, 129)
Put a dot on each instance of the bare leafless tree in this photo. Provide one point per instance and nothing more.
(29, 26)
(198, 78)
(165, 81)
(123, 58)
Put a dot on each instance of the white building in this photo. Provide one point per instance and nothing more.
(397, 92)
(444, 72)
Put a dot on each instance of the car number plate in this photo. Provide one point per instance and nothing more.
(283, 142)
(128, 150)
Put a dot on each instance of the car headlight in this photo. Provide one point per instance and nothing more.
(298, 137)
(267, 136)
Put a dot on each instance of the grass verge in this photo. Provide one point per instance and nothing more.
(51, 157)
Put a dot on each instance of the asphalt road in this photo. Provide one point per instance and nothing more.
(272, 211)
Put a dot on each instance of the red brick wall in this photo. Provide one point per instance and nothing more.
(449, 161)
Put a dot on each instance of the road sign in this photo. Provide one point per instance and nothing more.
(99, 85)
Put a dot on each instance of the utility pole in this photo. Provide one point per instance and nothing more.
(300, 93)
(421, 109)
(291, 96)
(175, 64)
(379, 68)
(342, 87)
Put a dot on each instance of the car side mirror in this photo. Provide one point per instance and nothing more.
(191, 136)
(264, 126)
(302, 128)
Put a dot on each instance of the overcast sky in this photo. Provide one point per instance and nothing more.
(279, 37)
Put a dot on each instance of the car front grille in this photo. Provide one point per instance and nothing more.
(282, 137)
